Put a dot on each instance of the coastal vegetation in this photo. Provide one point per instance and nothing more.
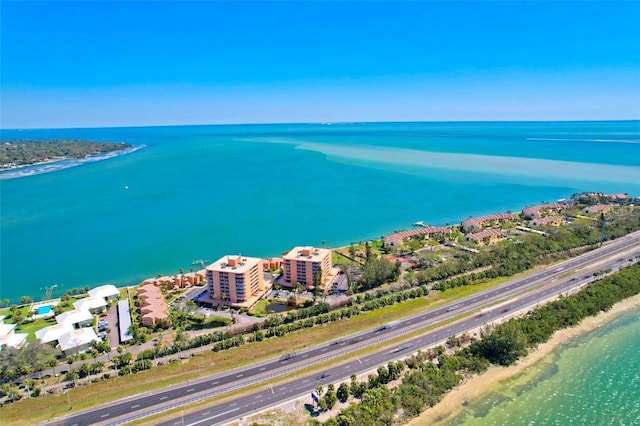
(527, 250)
(379, 277)
(179, 370)
(428, 375)
(17, 153)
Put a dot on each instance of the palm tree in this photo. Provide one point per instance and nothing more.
(52, 362)
(9, 390)
(29, 384)
(298, 289)
(73, 375)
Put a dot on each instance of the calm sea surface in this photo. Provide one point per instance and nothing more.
(593, 381)
(200, 192)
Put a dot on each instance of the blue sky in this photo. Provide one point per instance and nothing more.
(101, 63)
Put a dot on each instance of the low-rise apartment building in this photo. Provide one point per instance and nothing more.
(475, 224)
(486, 237)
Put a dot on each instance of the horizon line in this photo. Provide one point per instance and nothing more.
(315, 123)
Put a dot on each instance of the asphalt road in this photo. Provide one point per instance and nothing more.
(140, 406)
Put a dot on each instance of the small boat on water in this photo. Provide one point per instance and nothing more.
(419, 223)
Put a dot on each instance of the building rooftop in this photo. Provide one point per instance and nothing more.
(74, 316)
(124, 321)
(13, 340)
(306, 253)
(53, 332)
(104, 291)
(429, 230)
(90, 303)
(490, 217)
(548, 219)
(234, 263)
(75, 338)
(479, 236)
(6, 329)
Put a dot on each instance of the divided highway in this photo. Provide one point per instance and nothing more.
(541, 285)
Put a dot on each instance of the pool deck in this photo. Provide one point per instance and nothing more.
(34, 308)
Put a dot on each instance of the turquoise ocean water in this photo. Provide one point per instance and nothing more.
(594, 380)
(200, 192)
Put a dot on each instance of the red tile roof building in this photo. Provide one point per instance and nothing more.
(598, 208)
(477, 223)
(397, 238)
(617, 198)
(154, 307)
(539, 210)
(547, 220)
(488, 236)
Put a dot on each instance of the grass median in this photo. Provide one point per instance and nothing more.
(46, 408)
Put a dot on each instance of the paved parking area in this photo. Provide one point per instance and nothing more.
(112, 323)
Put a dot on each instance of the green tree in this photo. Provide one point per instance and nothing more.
(73, 376)
(329, 399)
(343, 392)
(317, 282)
(383, 374)
(18, 318)
(501, 344)
(298, 289)
(377, 271)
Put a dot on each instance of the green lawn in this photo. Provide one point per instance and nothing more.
(32, 326)
(31, 411)
(260, 309)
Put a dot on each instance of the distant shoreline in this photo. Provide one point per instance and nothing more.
(313, 123)
(56, 164)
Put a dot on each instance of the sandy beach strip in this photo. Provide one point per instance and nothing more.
(477, 387)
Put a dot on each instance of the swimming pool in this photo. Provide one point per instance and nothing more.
(43, 310)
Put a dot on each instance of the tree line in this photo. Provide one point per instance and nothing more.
(509, 258)
(431, 374)
(25, 152)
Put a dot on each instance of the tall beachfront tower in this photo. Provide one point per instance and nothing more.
(301, 262)
(235, 279)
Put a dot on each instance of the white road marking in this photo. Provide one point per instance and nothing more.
(213, 417)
